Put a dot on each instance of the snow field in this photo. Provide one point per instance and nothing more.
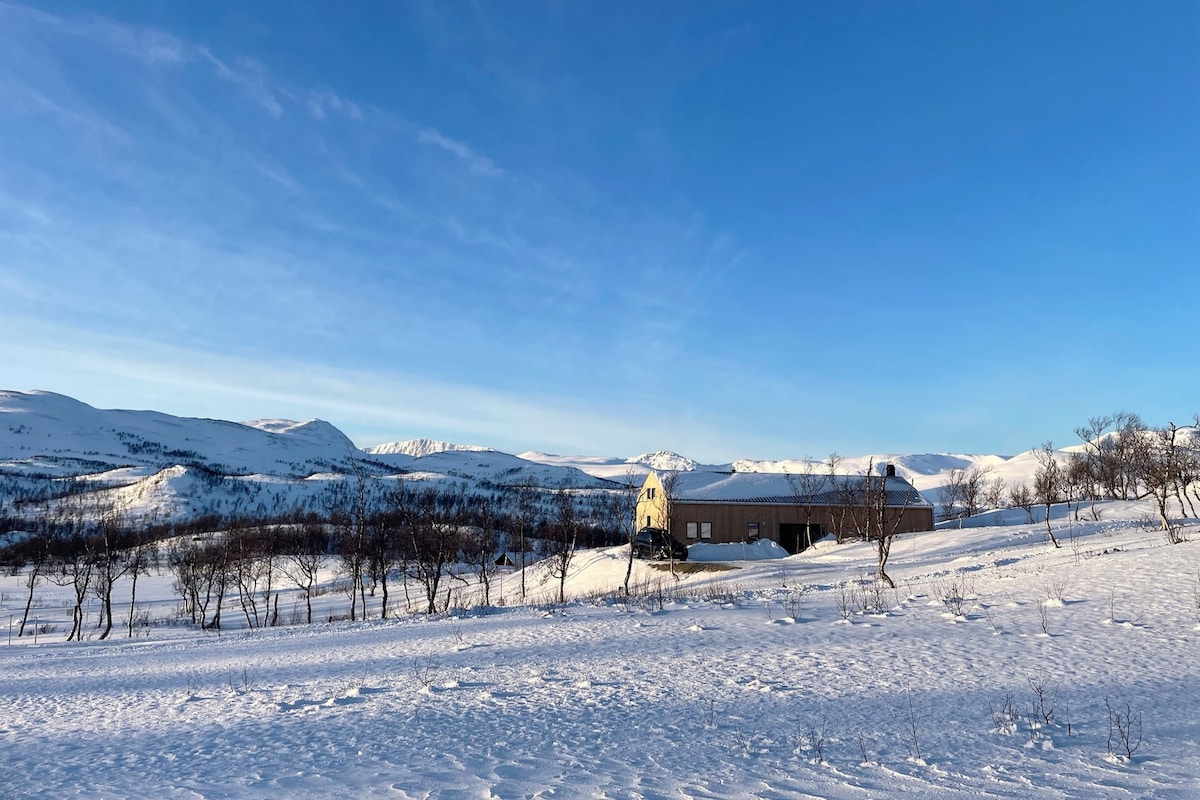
(742, 683)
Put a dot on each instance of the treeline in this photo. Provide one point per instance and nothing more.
(1120, 458)
(374, 535)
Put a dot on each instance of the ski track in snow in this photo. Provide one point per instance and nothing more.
(716, 694)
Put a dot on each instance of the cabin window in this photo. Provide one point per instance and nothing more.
(692, 529)
(752, 531)
(650, 493)
(705, 530)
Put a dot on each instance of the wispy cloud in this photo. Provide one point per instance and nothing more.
(70, 113)
(23, 209)
(279, 175)
(145, 44)
(478, 164)
(140, 42)
(251, 77)
(194, 382)
(321, 102)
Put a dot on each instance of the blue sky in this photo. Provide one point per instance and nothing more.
(734, 230)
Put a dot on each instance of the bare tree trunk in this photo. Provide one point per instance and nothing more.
(132, 599)
(1048, 483)
(106, 602)
(1049, 530)
(32, 582)
(884, 549)
(383, 585)
(139, 562)
(627, 503)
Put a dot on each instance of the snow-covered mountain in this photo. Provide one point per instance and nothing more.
(664, 460)
(148, 463)
(63, 436)
(417, 448)
(149, 460)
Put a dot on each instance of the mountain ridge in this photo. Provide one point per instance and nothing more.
(419, 448)
(274, 462)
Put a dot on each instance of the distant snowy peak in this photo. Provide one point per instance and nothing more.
(419, 448)
(314, 430)
(664, 460)
(750, 465)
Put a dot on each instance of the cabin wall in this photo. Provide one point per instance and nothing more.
(732, 522)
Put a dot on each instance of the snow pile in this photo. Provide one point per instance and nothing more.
(737, 551)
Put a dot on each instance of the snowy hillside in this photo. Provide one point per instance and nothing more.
(609, 468)
(925, 471)
(618, 469)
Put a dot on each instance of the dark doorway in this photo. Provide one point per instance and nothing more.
(796, 536)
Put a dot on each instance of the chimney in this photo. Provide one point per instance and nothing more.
(891, 470)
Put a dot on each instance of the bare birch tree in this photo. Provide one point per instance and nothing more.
(1048, 483)
(479, 545)
(670, 482)
(1022, 497)
(1092, 436)
(525, 516)
(433, 523)
(951, 493)
(110, 563)
(142, 557)
(884, 518)
(622, 510)
(567, 523)
(804, 486)
(1158, 470)
(306, 553)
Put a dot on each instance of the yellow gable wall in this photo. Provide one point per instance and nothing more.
(651, 504)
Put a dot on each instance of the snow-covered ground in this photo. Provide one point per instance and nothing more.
(768, 679)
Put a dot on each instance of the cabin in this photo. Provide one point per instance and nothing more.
(792, 510)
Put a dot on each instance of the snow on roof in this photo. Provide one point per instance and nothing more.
(768, 487)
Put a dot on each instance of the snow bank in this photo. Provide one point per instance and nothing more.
(761, 550)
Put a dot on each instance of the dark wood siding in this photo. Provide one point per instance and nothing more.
(731, 521)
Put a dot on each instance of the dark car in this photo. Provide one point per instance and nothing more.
(658, 544)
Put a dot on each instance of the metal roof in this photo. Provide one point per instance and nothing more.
(781, 488)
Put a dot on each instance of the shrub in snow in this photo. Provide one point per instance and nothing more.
(1058, 587)
(1005, 716)
(810, 741)
(954, 593)
(1124, 729)
(1045, 692)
